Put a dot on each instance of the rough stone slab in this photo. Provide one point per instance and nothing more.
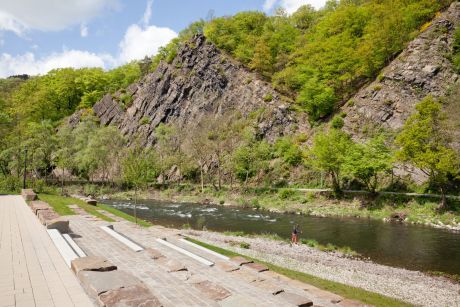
(96, 283)
(132, 296)
(227, 267)
(248, 276)
(212, 290)
(37, 205)
(46, 215)
(182, 275)
(257, 267)
(172, 265)
(154, 254)
(241, 260)
(295, 299)
(59, 223)
(92, 263)
(28, 194)
(269, 286)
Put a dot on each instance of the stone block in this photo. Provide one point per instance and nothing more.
(92, 263)
(132, 296)
(96, 283)
(28, 194)
(212, 290)
(240, 260)
(59, 223)
(174, 266)
(295, 299)
(46, 215)
(91, 201)
(257, 267)
(38, 205)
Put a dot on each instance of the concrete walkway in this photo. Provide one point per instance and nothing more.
(32, 272)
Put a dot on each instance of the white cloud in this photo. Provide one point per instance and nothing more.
(83, 30)
(139, 42)
(292, 5)
(49, 15)
(28, 64)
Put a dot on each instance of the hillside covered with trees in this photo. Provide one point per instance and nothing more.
(314, 59)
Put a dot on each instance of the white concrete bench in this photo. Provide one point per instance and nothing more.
(64, 249)
(204, 249)
(135, 247)
(186, 252)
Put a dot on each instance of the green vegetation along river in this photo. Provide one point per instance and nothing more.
(408, 246)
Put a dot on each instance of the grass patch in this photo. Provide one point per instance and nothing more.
(61, 205)
(346, 291)
(124, 215)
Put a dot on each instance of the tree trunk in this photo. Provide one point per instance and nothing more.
(202, 178)
(135, 205)
(62, 182)
(443, 204)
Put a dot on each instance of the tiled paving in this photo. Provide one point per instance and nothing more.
(180, 288)
(32, 272)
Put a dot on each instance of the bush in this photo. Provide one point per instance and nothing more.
(286, 193)
(90, 189)
(10, 184)
(268, 98)
(337, 122)
(245, 245)
(144, 121)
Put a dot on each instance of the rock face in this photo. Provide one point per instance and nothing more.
(420, 70)
(200, 82)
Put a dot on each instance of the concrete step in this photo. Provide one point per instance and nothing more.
(186, 252)
(123, 239)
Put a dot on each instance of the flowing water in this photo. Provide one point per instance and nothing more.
(409, 246)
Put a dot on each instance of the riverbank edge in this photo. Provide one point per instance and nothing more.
(348, 292)
(351, 207)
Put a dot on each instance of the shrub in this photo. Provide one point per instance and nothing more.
(10, 184)
(245, 245)
(144, 121)
(268, 98)
(285, 193)
(337, 122)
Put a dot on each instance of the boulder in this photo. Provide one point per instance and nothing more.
(28, 194)
(38, 205)
(59, 223)
(46, 215)
(295, 299)
(212, 290)
(132, 296)
(92, 263)
(96, 283)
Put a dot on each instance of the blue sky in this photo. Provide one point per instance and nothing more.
(37, 36)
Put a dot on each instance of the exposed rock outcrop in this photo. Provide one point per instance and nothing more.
(200, 82)
(423, 68)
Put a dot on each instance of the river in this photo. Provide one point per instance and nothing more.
(401, 245)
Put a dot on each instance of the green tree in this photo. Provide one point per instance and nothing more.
(137, 171)
(328, 154)
(425, 144)
(368, 161)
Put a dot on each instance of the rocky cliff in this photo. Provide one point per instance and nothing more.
(423, 68)
(200, 82)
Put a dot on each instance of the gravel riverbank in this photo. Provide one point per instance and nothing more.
(411, 286)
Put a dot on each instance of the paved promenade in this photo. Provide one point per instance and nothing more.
(32, 272)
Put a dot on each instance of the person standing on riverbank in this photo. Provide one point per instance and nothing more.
(295, 234)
